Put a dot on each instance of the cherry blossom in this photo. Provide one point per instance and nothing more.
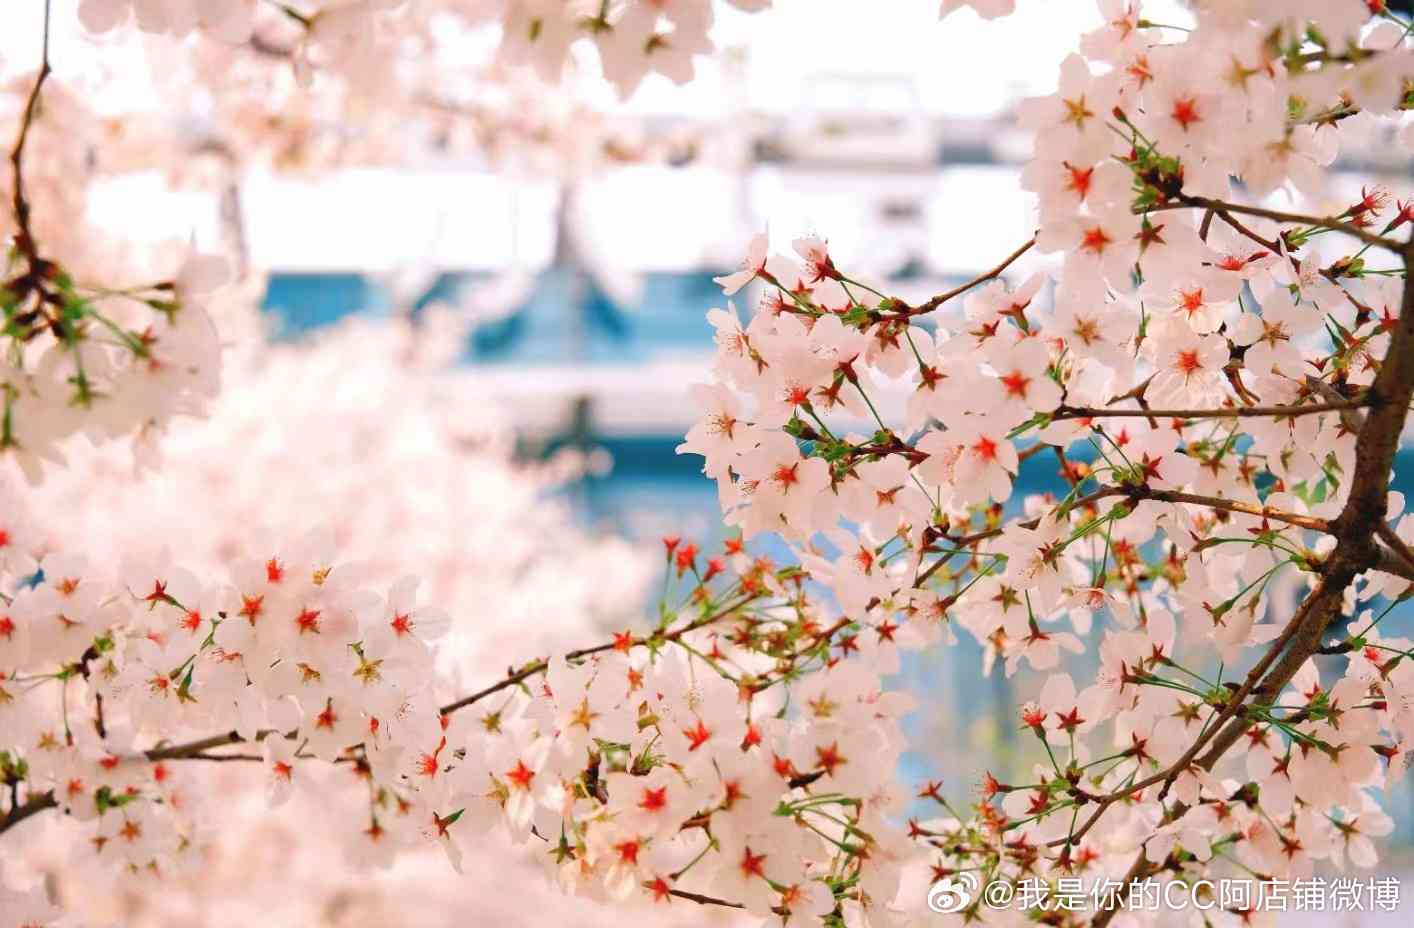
(1196, 343)
(1220, 375)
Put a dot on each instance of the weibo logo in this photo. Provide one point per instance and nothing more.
(952, 893)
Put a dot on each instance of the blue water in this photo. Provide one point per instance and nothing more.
(306, 302)
(566, 318)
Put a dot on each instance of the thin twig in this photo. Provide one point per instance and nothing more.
(700, 899)
(993, 274)
(33, 805)
(539, 666)
(1323, 222)
(24, 239)
(1223, 412)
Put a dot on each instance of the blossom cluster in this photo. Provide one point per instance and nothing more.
(659, 765)
(1207, 371)
(93, 343)
(101, 363)
(633, 38)
(229, 21)
(1221, 383)
(82, 350)
(480, 529)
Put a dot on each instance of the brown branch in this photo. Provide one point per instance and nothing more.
(1185, 201)
(307, 21)
(1275, 248)
(529, 670)
(1231, 708)
(1027, 454)
(24, 239)
(195, 748)
(1355, 550)
(1375, 447)
(33, 805)
(1224, 412)
(805, 779)
(1396, 544)
(993, 274)
(1350, 418)
(1303, 634)
(965, 540)
(225, 758)
(1135, 393)
(1141, 492)
(700, 899)
(814, 639)
(1211, 730)
(1390, 563)
(1385, 560)
(1228, 505)
(1206, 225)
(1269, 244)
(539, 666)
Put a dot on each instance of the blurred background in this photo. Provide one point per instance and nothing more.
(559, 283)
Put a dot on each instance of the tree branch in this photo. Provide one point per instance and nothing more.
(700, 899)
(1222, 206)
(1229, 505)
(24, 239)
(1224, 412)
(1272, 246)
(993, 274)
(539, 666)
(1355, 550)
(1396, 544)
(33, 805)
(196, 748)
(1350, 418)
(1141, 492)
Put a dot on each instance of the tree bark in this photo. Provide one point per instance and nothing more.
(1355, 550)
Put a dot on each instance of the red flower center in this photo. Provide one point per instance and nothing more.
(1094, 239)
(251, 607)
(307, 620)
(696, 736)
(750, 864)
(628, 851)
(521, 775)
(1016, 384)
(1185, 112)
(654, 800)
